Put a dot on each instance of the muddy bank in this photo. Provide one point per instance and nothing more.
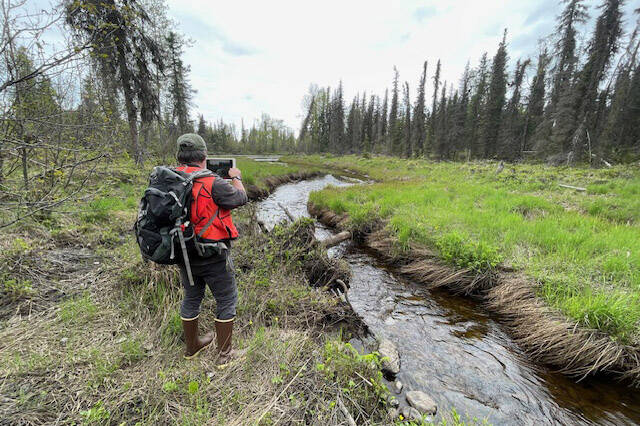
(544, 333)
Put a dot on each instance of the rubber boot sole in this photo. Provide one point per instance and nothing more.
(238, 356)
(198, 351)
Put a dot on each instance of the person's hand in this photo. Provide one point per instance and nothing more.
(234, 172)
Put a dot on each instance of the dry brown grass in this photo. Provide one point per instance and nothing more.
(109, 349)
(542, 331)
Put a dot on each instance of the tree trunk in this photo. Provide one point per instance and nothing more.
(25, 171)
(132, 118)
(132, 112)
(2, 160)
(576, 143)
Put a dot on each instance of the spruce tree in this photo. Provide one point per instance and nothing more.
(602, 48)
(351, 126)
(440, 125)
(536, 103)
(395, 133)
(382, 137)
(124, 53)
(574, 14)
(180, 91)
(621, 131)
(461, 107)
(495, 100)
(476, 109)
(202, 126)
(336, 136)
(433, 135)
(408, 149)
(513, 127)
(419, 120)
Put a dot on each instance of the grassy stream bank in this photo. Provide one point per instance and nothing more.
(472, 226)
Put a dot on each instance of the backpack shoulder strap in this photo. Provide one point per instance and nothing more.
(199, 174)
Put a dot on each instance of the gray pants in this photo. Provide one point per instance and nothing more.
(218, 275)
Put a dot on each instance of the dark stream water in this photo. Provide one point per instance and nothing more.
(453, 350)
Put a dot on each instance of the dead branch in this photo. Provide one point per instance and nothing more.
(346, 413)
(287, 212)
(334, 240)
(577, 188)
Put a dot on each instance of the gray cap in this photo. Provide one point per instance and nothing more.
(191, 142)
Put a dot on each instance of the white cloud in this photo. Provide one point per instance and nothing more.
(251, 57)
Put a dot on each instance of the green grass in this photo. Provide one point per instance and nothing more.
(254, 173)
(582, 247)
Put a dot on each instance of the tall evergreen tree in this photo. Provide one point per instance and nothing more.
(574, 14)
(368, 134)
(440, 125)
(408, 149)
(337, 121)
(419, 120)
(461, 107)
(202, 126)
(602, 48)
(513, 127)
(352, 125)
(124, 52)
(476, 111)
(395, 128)
(495, 100)
(382, 137)
(180, 91)
(433, 136)
(621, 130)
(536, 103)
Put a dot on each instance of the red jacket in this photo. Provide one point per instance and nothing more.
(210, 221)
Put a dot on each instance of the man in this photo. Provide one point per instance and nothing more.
(213, 198)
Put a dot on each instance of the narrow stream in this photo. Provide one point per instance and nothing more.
(452, 349)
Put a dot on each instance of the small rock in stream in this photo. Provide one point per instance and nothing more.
(391, 361)
(422, 402)
(410, 413)
(397, 386)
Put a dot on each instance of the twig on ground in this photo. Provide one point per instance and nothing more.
(577, 188)
(346, 412)
(273, 401)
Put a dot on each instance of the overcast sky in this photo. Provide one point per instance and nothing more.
(250, 57)
(261, 56)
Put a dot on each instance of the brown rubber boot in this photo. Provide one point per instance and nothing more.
(224, 333)
(195, 344)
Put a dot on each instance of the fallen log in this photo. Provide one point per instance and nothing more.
(577, 188)
(287, 212)
(334, 240)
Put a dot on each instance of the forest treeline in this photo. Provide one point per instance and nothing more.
(582, 103)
